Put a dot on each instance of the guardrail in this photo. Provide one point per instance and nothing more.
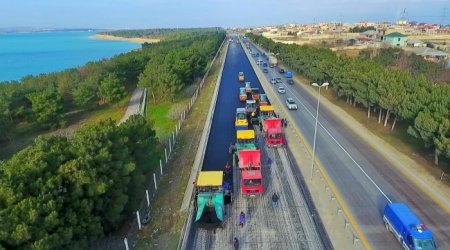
(198, 162)
(348, 221)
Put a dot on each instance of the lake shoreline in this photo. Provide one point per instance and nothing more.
(125, 39)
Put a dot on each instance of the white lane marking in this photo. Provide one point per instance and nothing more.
(343, 149)
(334, 139)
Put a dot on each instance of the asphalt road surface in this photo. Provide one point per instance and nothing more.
(365, 179)
(289, 226)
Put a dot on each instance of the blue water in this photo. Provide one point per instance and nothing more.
(36, 53)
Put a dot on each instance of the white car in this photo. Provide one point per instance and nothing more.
(273, 81)
(281, 90)
(291, 104)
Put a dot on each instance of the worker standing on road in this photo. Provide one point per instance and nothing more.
(274, 200)
(242, 219)
(236, 243)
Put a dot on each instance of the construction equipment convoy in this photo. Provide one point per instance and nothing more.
(407, 228)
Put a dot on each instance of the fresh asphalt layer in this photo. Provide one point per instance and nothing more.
(222, 132)
(363, 177)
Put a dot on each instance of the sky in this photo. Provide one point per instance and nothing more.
(125, 14)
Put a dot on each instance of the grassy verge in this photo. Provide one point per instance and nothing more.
(167, 221)
(164, 116)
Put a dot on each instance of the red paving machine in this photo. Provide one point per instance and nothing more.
(249, 163)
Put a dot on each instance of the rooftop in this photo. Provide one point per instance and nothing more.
(395, 34)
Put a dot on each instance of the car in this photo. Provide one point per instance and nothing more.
(281, 90)
(257, 54)
(264, 64)
(273, 81)
(291, 104)
(281, 70)
(258, 62)
(265, 71)
(278, 80)
(290, 81)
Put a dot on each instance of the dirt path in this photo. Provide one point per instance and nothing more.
(133, 105)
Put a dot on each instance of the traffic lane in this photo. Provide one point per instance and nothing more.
(222, 129)
(396, 184)
(392, 182)
(367, 202)
(369, 213)
(223, 132)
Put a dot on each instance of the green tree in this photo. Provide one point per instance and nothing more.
(47, 108)
(111, 88)
(84, 96)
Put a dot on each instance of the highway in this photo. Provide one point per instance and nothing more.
(364, 178)
(291, 225)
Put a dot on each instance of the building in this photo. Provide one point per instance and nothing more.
(430, 54)
(415, 43)
(372, 34)
(395, 39)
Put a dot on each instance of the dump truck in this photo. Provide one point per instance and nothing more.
(242, 94)
(210, 199)
(241, 76)
(241, 122)
(249, 163)
(272, 61)
(273, 132)
(255, 94)
(263, 100)
(407, 227)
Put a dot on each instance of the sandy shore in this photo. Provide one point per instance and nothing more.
(117, 38)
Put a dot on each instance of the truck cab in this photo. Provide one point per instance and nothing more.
(255, 94)
(241, 122)
(407, 227)
(242, 94)
(249, 163)
(209, 199)
(273, 132)
(241, 76)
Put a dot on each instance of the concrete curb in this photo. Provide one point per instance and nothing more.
(198, 162)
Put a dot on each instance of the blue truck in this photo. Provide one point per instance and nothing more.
(288, 74)
(407, 228)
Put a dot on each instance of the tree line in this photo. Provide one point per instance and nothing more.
(394, 93)
(163, 34)
(63, 193)
(360, 29)
(165, 67)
